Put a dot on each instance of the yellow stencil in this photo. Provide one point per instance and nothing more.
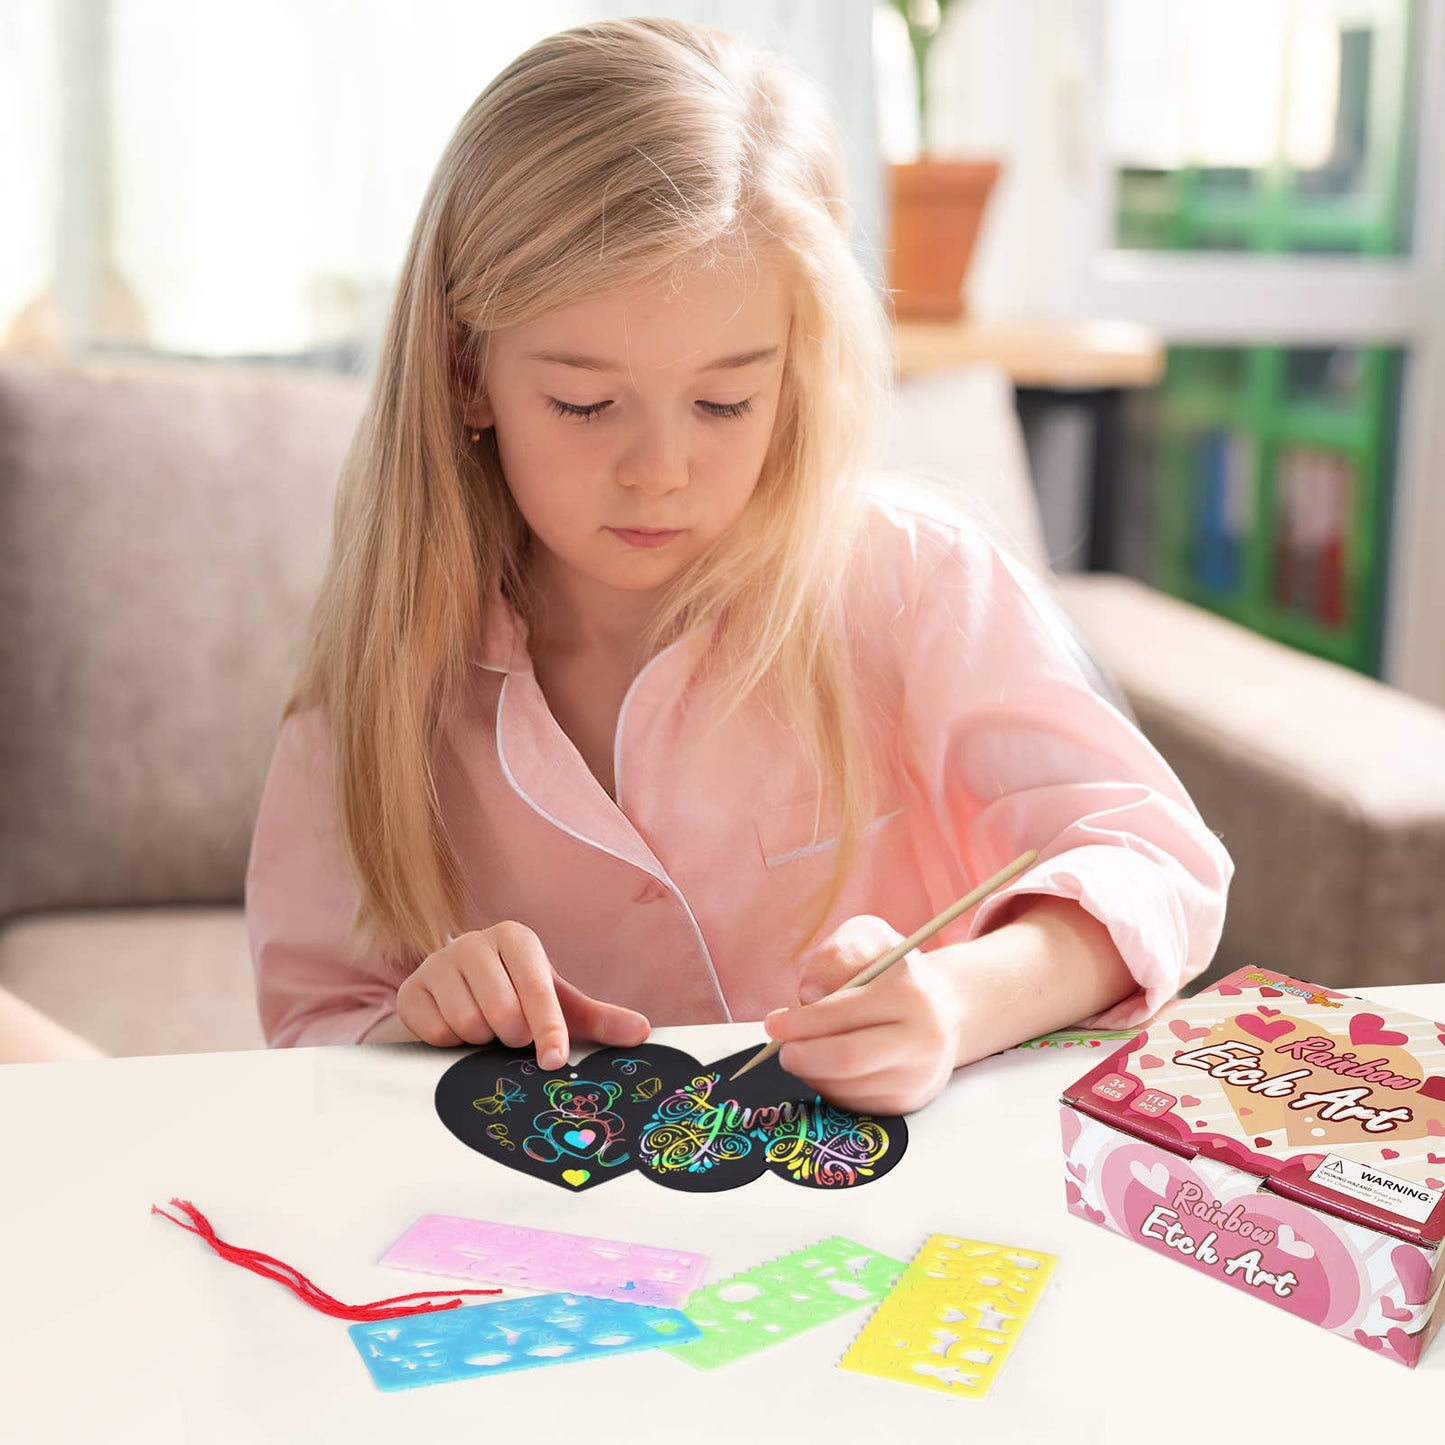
(954, 1315)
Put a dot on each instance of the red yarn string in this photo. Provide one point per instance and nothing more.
(294, 1280)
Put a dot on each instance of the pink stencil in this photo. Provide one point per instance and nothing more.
(542, 1260)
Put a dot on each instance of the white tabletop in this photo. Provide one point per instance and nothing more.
(118, 1325)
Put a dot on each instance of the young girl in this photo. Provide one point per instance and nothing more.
(625, 703)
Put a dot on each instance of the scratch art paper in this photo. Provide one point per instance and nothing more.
(519, 1334)
(659, 1111)
(540, 1259)
(954, 1316)
(773, 1302)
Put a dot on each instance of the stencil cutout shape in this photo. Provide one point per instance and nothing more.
(773, 1302)
(541, 1259)
(953, 1317)
(520, 1334)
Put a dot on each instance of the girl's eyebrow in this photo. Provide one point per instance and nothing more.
(593, 363)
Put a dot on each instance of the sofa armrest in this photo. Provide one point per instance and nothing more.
(1327, 787)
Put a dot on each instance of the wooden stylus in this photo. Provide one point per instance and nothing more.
(887, 960)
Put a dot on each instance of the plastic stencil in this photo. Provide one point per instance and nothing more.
(543, 1260)
(772, 1302)
(954, 1316)
(519, 1334)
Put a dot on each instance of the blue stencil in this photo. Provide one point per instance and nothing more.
(515, 1334)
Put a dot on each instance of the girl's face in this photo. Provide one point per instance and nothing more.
(632, 428)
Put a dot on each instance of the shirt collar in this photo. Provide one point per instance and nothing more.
(504, 638)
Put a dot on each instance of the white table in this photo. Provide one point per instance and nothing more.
(120, 1326)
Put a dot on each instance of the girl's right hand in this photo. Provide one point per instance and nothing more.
(497, 983)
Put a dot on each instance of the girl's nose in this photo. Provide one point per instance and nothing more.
(656, 463)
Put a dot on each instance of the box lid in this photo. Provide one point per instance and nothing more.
(1331, 1099)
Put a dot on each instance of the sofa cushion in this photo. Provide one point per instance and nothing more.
(958, 430)
(138, 980)
(163, 526)
(1327, 787)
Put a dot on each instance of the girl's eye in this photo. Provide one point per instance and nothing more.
(586, 413)
(739, 408)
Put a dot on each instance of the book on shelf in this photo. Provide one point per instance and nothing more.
(1314, 491)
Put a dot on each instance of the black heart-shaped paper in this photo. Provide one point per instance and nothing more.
(660, 1111)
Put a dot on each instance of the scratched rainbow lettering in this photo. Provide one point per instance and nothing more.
(691, 1131)
(688, 1131)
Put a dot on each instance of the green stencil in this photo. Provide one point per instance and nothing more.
(1087, 1038)
(772, 1302)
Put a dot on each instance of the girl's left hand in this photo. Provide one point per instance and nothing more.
(885, 1048)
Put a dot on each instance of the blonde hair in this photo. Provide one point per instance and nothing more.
(605, 155)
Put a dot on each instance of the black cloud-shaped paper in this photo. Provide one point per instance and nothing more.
(660, 1111)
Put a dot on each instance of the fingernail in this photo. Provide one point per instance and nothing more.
(552, 1057)
(770, 1019)
(810, 993)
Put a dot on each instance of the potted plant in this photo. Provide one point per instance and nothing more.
(936, 205)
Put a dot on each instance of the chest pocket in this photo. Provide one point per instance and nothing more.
(791, 831)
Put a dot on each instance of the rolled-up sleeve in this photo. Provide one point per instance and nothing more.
(313, 985)
(1012, 749)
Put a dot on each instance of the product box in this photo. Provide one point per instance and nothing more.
(1285, 1139)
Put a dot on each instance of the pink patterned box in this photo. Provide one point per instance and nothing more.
(1285, 1139)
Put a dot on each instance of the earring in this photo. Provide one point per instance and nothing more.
(476, 435)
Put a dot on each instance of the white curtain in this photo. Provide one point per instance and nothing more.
(206, 178)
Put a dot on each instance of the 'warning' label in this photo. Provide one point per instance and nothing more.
(1385, 1191)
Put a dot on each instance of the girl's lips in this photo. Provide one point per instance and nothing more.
(638, 537)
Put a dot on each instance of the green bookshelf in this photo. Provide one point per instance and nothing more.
(1275, 463)
(1273, 503)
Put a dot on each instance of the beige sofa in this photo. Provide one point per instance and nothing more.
(163, 525)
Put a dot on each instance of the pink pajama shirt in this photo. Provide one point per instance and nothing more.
(685, 898)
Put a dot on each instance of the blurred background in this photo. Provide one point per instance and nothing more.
(1253, 185)
(1168, 279)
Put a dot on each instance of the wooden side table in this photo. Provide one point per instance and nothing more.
(1088, 364)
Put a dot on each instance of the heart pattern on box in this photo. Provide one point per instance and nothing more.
(1291, 1243)
(1369, 1029)
(659, 1111)
(1186, 1032)
(1413, 1268)
(1267, 1115)
(1267, 1030)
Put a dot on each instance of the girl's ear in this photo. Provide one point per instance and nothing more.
(472, 400)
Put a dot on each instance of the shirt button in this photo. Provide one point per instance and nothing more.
(651, 892)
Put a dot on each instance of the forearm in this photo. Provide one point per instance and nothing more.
(28, 1036)
(389, 1029)
(355, 1022)
(1051, 965)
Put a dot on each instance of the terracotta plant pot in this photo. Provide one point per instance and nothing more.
(936, 207)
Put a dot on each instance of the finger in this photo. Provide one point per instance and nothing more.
(606, 1023)
(536, 992)
(894, 1091)
(826, 973)
(472, 1013)
(419, 1011)
(845, 953)
(879, 1002)
(846, 1058)
(898, 1088)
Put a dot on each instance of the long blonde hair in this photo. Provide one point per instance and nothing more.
(604, 155)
